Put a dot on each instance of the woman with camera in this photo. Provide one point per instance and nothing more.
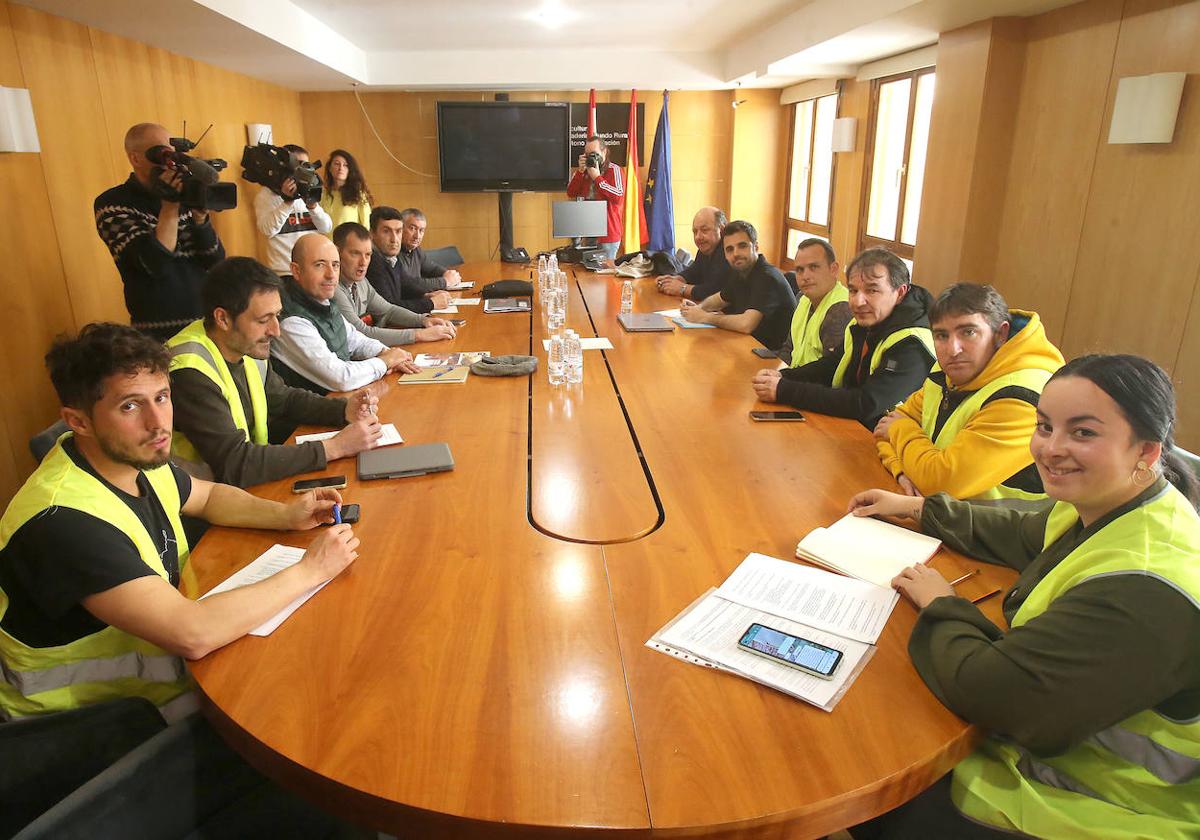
(346, 198)
(1092, 697)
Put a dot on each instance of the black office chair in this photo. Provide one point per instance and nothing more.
(41, 443)
(790, 276)
(448, 256)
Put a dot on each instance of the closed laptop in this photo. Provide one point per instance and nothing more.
(403, 461)
(644, 322)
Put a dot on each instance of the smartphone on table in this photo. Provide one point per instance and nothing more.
(349, 515)
(329, 482)
(777, 416)
(795, 652)
(764, 353)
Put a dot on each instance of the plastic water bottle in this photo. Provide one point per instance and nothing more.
(574, 355)
(626, 297)
(556, 315)
(541, 272)
(556, 367)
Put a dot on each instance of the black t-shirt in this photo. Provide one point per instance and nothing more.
(62, 556)
(766, 290)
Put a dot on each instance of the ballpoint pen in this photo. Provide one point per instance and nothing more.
(337, 514)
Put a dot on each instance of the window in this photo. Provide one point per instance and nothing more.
(901, 107)
(810, 172)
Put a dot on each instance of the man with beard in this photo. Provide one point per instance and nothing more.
(229, 403)
(756, 298)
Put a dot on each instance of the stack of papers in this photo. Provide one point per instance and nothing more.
(865, 548)
(388, 437)
(457, 287)
(841, 613)
(274, 559)
(470, 357)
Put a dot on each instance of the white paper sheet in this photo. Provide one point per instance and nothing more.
(467, 301)
(389, 437)
(274, 559)
(586, 343)
(458, 287)
(449, 310)
(847, 606)
(669, 313)
(711, 628)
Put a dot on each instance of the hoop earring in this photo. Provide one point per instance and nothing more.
(1144, 475)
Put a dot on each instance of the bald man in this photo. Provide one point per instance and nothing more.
(318, 348)
(709, 272)
(162, 251)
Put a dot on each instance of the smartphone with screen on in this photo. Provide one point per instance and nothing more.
(335, 482)
(777, 416)
(793, 651)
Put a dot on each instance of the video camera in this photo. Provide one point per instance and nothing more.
(271, 165)
(200, 186)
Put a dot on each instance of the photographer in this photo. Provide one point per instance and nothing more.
(161, 250)
(597, 179)
(283, 217)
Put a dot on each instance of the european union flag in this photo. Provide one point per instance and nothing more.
(660, 208)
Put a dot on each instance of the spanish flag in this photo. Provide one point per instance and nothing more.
(635, 217)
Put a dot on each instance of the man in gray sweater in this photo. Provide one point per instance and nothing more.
(365, 308)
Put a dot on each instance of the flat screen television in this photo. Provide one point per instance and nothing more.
(504, 146)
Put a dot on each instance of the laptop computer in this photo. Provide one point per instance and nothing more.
(644, 322)
(404, 461)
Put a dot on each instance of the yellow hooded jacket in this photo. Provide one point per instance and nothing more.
(992, 445)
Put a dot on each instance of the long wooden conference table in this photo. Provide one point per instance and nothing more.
(480, 671)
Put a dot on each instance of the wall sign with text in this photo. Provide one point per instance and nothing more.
(612, 123)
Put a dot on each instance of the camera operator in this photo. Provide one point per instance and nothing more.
(283, 218)
(161, 250)
(597, 179)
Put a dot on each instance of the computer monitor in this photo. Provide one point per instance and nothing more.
(575, 219)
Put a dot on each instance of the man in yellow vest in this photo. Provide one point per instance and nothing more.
(823, 313)
(967, 431)
(228, 400)
(92, 547)
(885, 354)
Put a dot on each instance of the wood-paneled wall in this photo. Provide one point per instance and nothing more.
(1099, 239)
(88, 87)
(702, 130)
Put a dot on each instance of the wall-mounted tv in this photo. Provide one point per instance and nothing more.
(504, 146)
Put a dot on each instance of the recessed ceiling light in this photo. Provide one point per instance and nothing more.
(552, 15)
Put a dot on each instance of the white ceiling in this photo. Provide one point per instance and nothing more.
(490, 45)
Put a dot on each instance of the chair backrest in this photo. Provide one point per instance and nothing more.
(1190, 460)
(790, 276)
(41, 443)
(448, 256)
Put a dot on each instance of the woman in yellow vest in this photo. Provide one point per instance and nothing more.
(346, 197)
(1092, 696)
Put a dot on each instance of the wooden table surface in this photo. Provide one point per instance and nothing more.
(480, 671)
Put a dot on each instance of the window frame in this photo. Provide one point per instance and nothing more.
(804, 226)
(865, 240)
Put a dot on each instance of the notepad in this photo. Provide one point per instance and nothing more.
(586, 343)
(389, 436)
(274, 559)
(865, 548)
(449, 310)
(688, 325)
(437, 376)
(466, 301)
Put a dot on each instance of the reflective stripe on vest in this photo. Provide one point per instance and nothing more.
(1032, 379)
(109, 663)
(1141, 776)
(192, 349)
(806, 329)
(922, 334)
